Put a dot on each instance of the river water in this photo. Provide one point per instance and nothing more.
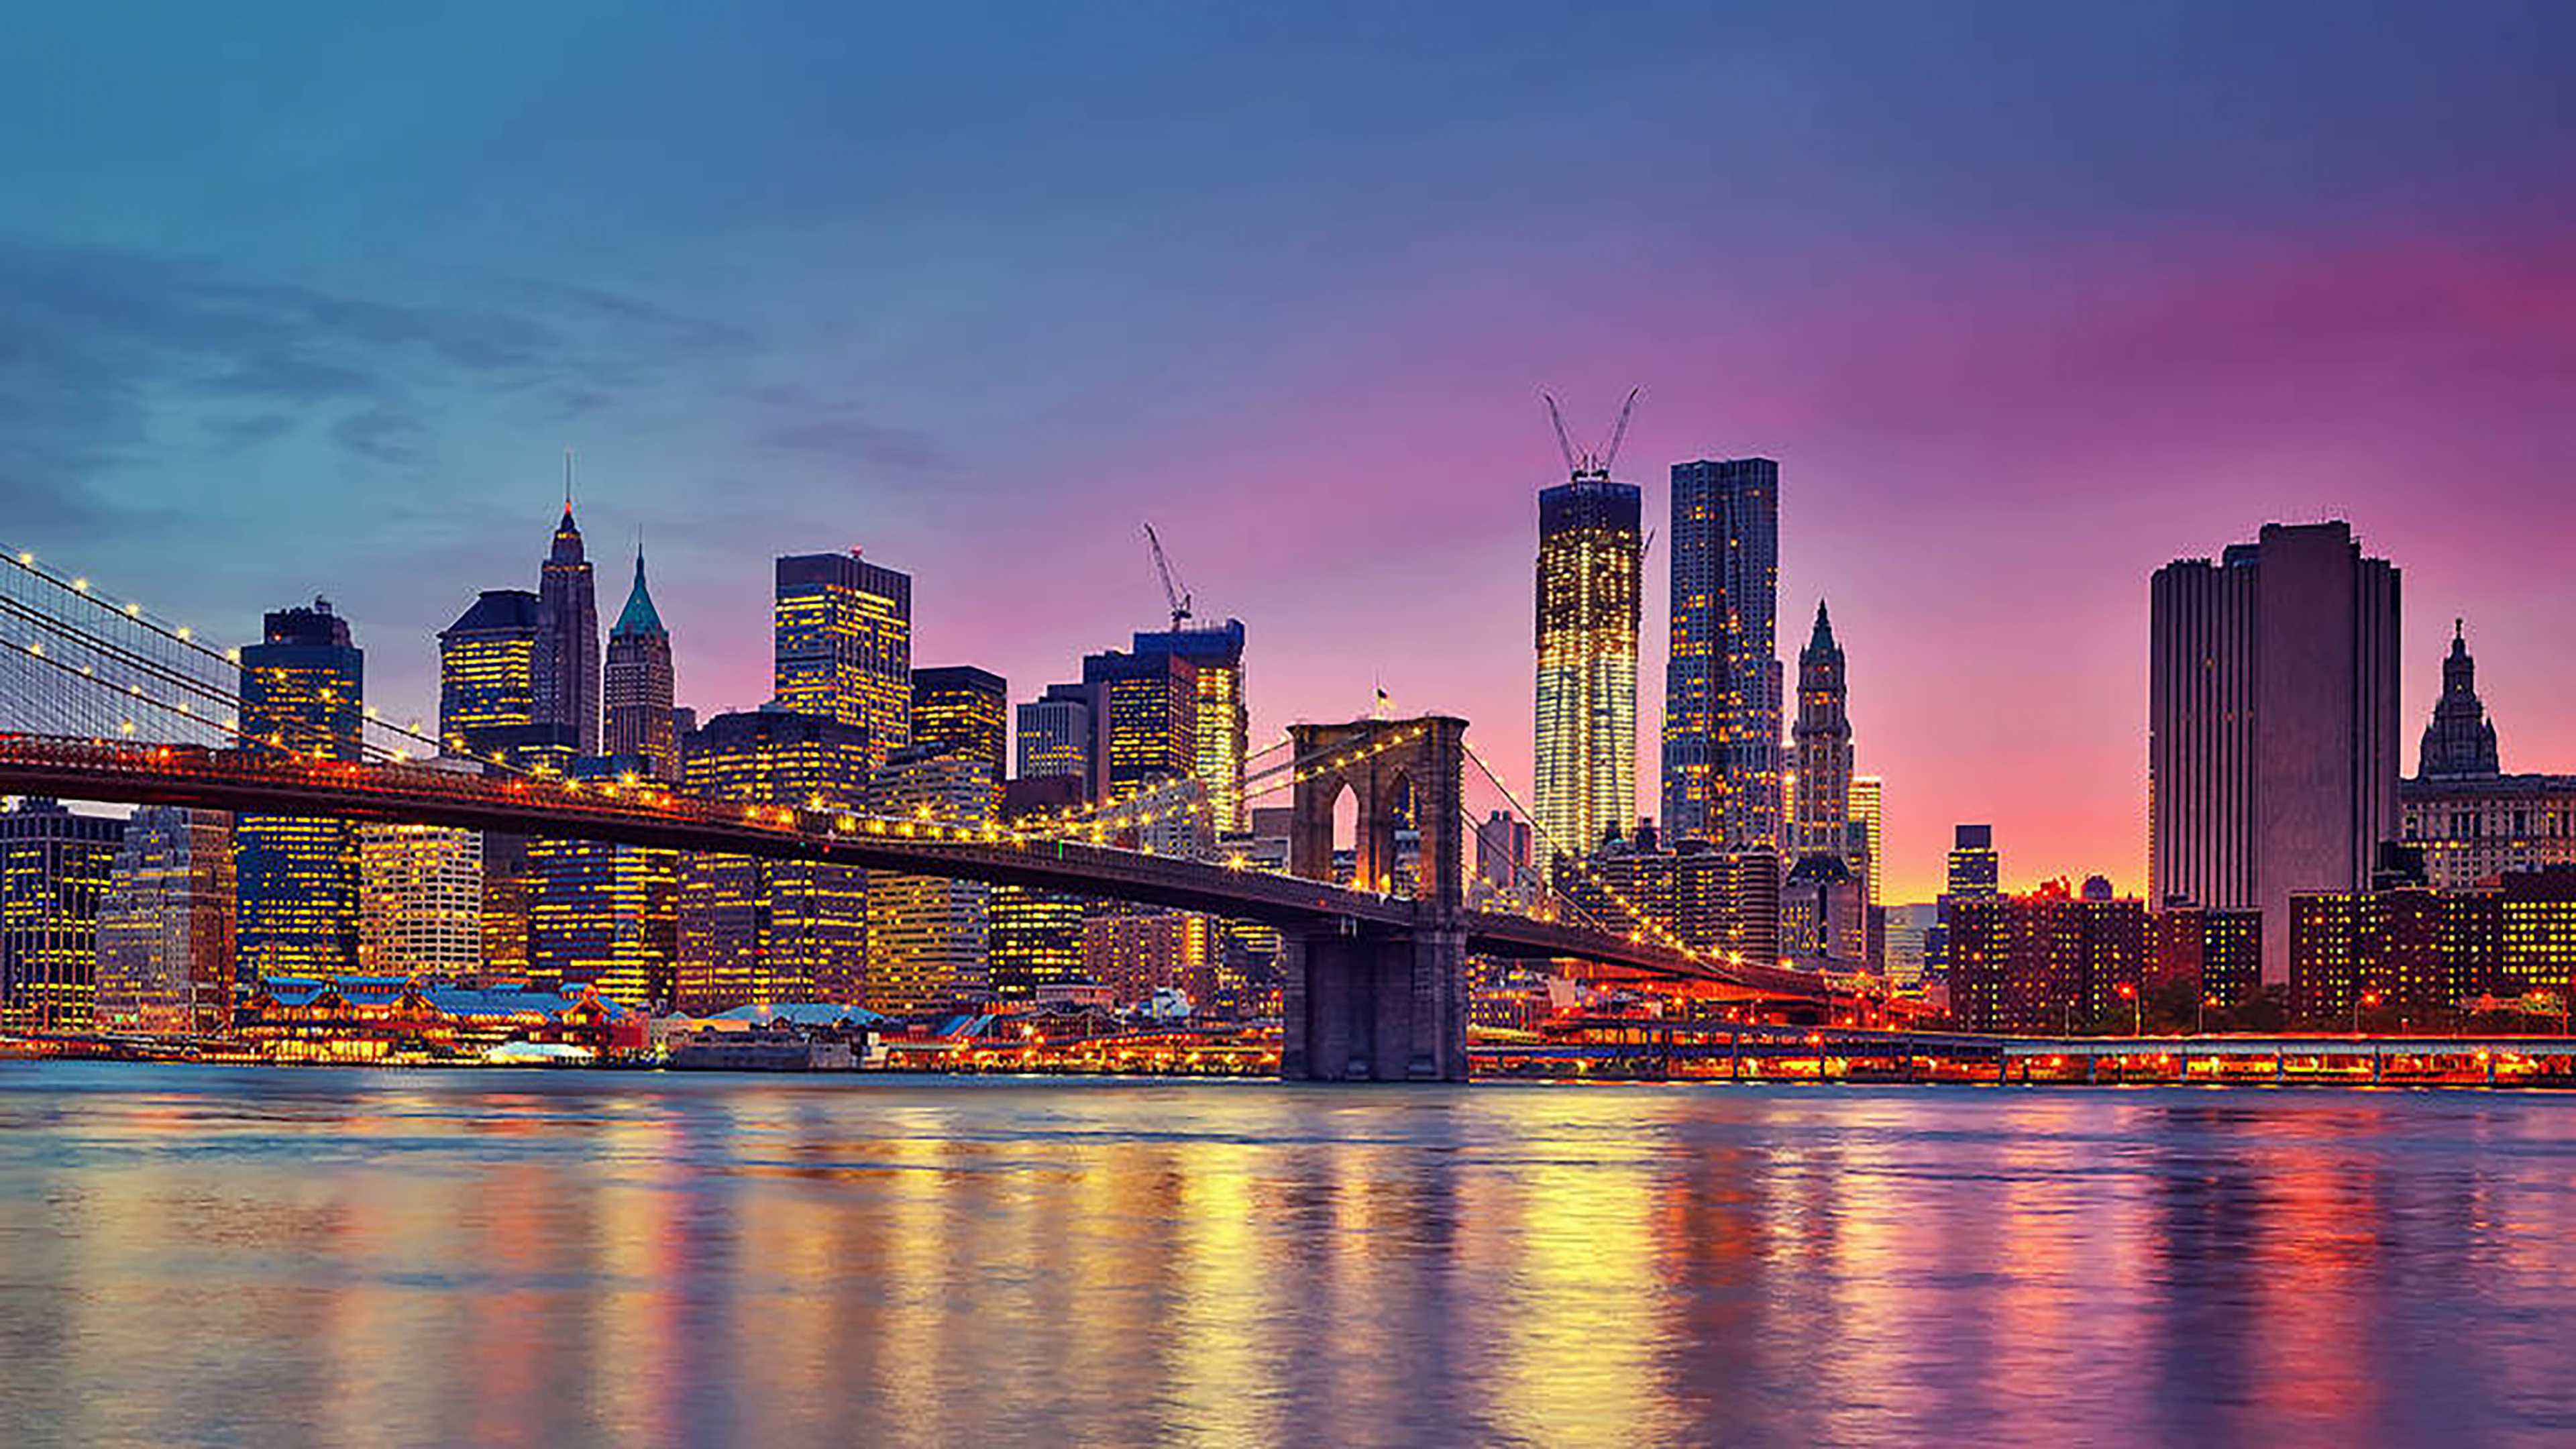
(316, 1256)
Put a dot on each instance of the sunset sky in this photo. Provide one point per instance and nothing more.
(2027, 299)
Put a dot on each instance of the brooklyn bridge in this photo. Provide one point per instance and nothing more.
(101, 701)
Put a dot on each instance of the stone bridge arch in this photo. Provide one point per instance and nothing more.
(1392, 767)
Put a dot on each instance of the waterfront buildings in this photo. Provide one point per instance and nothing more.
(755, 931)
(55, 866)
(638, 682)
(926, 933)
(1865, 835)
(420, 901)
(2046, 962)
(604, 914)
(165, 927)
(1590, 553)
(1721, 738)
(1033, 936)
(960, 710)
(1221, 724)
(1909, 936)
(2272, 723)
(2472, 821)
(1824, 922)
(843, 645)
(2414, 948)
(2213, 956)
(567, 653)
(487, 675)
(302, 690)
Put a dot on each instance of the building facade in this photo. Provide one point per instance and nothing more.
(303, 690)
(1590, 556)
(420, 902)
(2473, 822)
(1221, 720)
(55, 869)
(2272, 724)
(843, 645)
(1055, 737)
(1721, 740)
(604, 914)
(961, 710)
(487, 680)
(1033, 936)
(567, 654)
(762, 931)
(165, 929)
(2046, 962)
(1824, 749)
(638, 682)
(927, 934)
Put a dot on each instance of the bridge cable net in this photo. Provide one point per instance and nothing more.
(1643, 927)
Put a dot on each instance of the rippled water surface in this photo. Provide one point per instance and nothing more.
(282, 1257)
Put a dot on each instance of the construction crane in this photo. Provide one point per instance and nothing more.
(1174, 593)
(1580, 464)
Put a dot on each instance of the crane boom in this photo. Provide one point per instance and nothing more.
(1174, 594)
(1564, 444)
(1619, 434)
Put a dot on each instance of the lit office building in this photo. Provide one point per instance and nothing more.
(605, 914)
(960, 710)
(566, 666)
(1822, 825)
(637, 683)
(1721, 744)
(1136, 953)
(926, 933)
(1034, 935)
(1865, 837)
(2204, 954)
(843, 645)
(764, 931)
(55, 867)
(1055, 737)
(2046, 962)
(1717, 902)
(420, 902)
(1221, 722)
(2272, 724)
(165, 929)
(487, 674)
(1590, 550)
(296, 878)
(1144, 721)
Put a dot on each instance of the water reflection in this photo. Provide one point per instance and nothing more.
(289, 1257)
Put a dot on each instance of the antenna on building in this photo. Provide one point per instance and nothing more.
(567, 480)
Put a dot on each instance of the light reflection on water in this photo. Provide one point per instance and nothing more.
(284, 1257)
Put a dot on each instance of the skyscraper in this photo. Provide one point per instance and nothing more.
(1589, 552)
(1144, 721)
(604, 913)
(843, 645)
(1721, 745)
(638, 684)
(1824, 748)
(302, 689)
(1222, 722)
(958, 709)
(1975, 869)
(1865, 841)
(772, 930)
(1055, 737)
(165, 930)
(420, 901)
(567, 653)
(54, 871)
(1034, 935)
(2272, 724)
(927, 934)
(487, 680)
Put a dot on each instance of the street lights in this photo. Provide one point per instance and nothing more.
(2137, 1009)
(2367, 998)
(2200, 1015)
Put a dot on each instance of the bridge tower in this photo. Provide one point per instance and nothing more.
(1363, 1002)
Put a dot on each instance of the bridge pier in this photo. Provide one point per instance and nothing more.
(1374, 1007)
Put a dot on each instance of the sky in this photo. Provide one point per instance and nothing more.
(2026, 299)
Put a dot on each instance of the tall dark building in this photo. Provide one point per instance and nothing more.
(1055, 737)
(638, 683)
(567, 655)
(960, 710)
(1590, 553)
(1721, 745)
(2461, 740)
(1975, 869)
(1823, 824)
(2272, 724)
(1224, 721)
(754, 930)
(303, 690)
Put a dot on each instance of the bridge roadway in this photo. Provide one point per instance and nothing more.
(260, 782)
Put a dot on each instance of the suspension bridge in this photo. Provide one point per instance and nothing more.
(103, 700)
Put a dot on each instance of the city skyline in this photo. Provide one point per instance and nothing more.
(1984, 383)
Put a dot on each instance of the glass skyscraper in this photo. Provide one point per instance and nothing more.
(302, 690)
(844, 645)
(1589, 551)
(1722, 687)
(165, 932)
(487, 682)
(1222, 724)
(54, 871)
(958, 709)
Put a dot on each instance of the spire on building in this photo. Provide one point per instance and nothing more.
(1823, 639)
(2461, 740)
(639, 616)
